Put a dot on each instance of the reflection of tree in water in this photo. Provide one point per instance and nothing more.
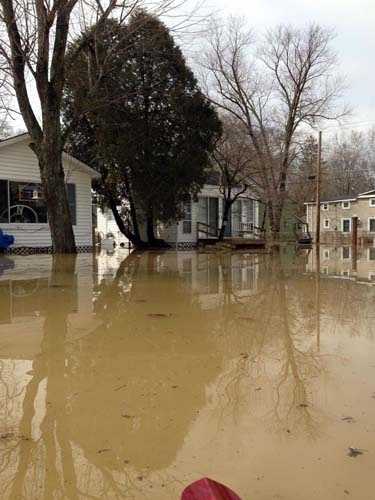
(151, 399)
(113, 406)
(278, 363)
(27, 453)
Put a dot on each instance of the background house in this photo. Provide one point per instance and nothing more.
(23, 212)
(336, 218)
(203, 218)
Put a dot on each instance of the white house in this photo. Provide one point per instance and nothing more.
(203, 218)
(23, 212)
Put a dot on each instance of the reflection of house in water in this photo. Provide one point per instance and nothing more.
(214, 277)
(24, 302)
(339, 262)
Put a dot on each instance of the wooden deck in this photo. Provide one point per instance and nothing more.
(235, 243)
(246, 243)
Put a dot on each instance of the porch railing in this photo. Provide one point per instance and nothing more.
(239, 229)
(247, 228)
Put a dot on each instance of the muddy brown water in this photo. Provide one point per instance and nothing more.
(132, 376)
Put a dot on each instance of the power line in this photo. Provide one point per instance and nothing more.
(349, 125)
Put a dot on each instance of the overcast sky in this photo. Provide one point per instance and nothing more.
(354, 24)
(352, 20)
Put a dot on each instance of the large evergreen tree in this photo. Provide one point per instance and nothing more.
(149, 129)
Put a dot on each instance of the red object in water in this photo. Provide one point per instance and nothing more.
(207, 489)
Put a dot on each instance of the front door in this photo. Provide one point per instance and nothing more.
(236, 218)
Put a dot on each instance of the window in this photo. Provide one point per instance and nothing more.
(346, 225)
(26, 203)
(186, 223)
(346, 252)
(371, 225)
(345, 205)
(325, 206)
(371, 253)
(326, 224)
(371, 276)
(326, 254)
(249, 210)
(203, 209)
(372, 202)
(23, 202)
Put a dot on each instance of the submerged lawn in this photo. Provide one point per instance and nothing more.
(132, 376)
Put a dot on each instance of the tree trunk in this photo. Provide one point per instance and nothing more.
(227, 204)
(55, 194)
(133, 238)
(133, 215)
(275, 211)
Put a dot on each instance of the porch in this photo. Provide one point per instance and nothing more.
(241, 230)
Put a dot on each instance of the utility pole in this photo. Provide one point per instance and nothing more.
(318, 185)
(354, 242)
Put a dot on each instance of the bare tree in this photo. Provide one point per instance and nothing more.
(34, 39)
(350, 164)
(232, 158)
(273, 87)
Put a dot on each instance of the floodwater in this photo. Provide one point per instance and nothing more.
(132, 376)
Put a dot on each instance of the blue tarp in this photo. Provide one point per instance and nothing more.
(6, 240)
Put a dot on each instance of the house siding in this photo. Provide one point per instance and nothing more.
(18, 163)
(335, 214)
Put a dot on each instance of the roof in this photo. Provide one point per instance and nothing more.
(332, 200)
(366, 194)
(79, 164)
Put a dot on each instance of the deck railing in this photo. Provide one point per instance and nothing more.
(239, 229)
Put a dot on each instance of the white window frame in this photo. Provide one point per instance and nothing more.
(326, 253)
(350, 225)
(325, 206)
(343, 203)
(11, 225)
(371, 276)
(369, 224)
(326, 226)
(371, 202)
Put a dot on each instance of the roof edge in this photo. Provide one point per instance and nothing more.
(330, 201)
(9, 141)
